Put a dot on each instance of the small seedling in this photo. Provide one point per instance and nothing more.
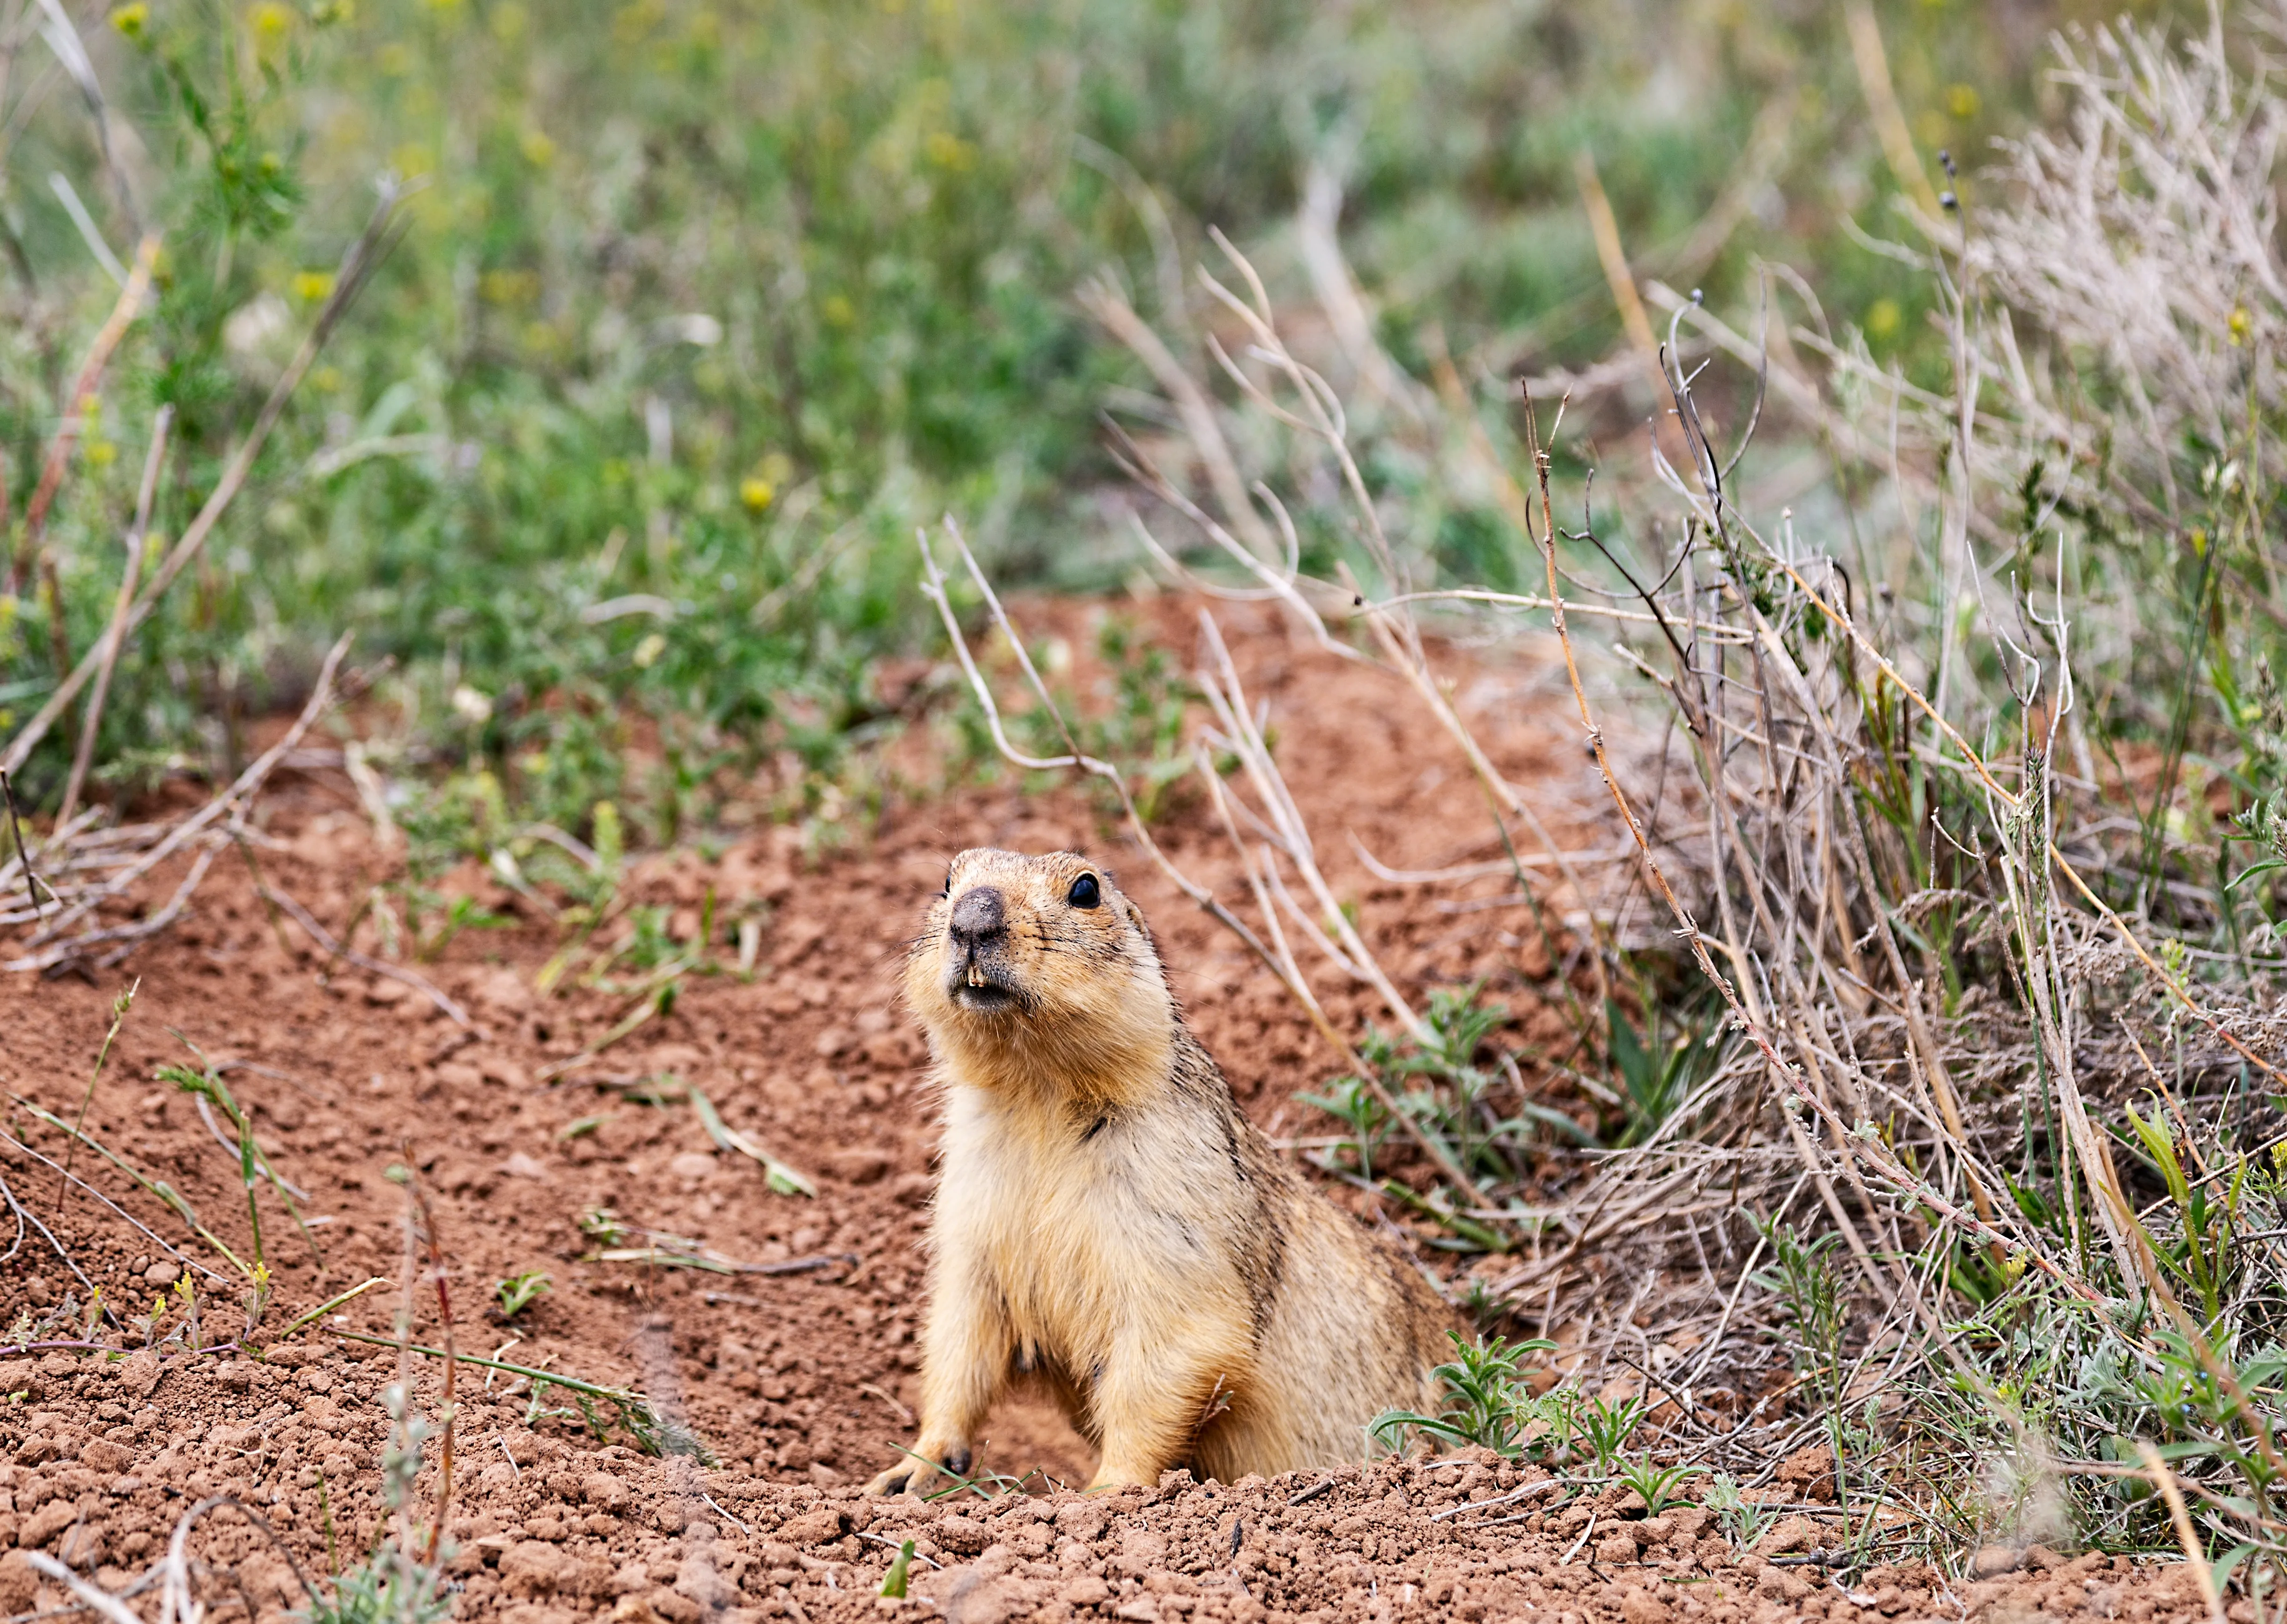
(1654, 1485)
(602, 1226)
(893, 1583)
(519, 1292)
(256, 1301)
(189, 1329)
(391, 1588)
(657, 1434)
(1605, 1427)
(1353, 1103)
(1743, 1521)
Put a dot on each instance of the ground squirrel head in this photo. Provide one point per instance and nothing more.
(1037, 971)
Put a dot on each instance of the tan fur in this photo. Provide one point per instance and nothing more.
(1109, 1223)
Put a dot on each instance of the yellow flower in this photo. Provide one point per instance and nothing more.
(509, 287)
(271, 21)
(131, 20)
(1882, 318)
(837, 311)
(2241, 326)
(1962, 101)
(757, 494)
(632, 22)
(311, 285)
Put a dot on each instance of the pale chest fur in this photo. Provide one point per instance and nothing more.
(1086, 1232)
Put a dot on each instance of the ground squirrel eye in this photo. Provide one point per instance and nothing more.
(1085, 892)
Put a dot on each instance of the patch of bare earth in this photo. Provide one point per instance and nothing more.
(800, 1383)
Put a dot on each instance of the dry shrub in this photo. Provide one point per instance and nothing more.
(1982, 1092)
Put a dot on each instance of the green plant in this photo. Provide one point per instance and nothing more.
(1448, 1099)
(207, 1086)
(1136, 720)
(385, 1589)
(391, 1586)
(1743, 1521)
(119, 1007)
(653, 1432)
(1489, 1404)
(1655, 1080)
(1818, 1313)
(1605, 1427)
(519, 1292)
(983, 1483)
(893, 1583)
(1655, 1485)
(2203, 1255)
(1352, 1102)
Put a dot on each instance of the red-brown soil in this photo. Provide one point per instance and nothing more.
(799, 1383)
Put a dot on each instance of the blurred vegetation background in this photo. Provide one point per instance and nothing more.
(704, 306)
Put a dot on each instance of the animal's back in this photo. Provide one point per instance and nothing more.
(1354, 1330)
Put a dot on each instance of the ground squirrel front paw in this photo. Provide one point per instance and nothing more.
(923, 1467)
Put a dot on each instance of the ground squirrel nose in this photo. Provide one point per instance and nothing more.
(978, 917)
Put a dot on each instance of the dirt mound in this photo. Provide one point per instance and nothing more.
(786, 1338)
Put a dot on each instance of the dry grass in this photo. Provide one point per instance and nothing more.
(1983, 1132)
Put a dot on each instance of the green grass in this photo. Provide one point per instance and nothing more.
(702, 307)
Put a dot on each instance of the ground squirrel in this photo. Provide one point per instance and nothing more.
(1110, 1225)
